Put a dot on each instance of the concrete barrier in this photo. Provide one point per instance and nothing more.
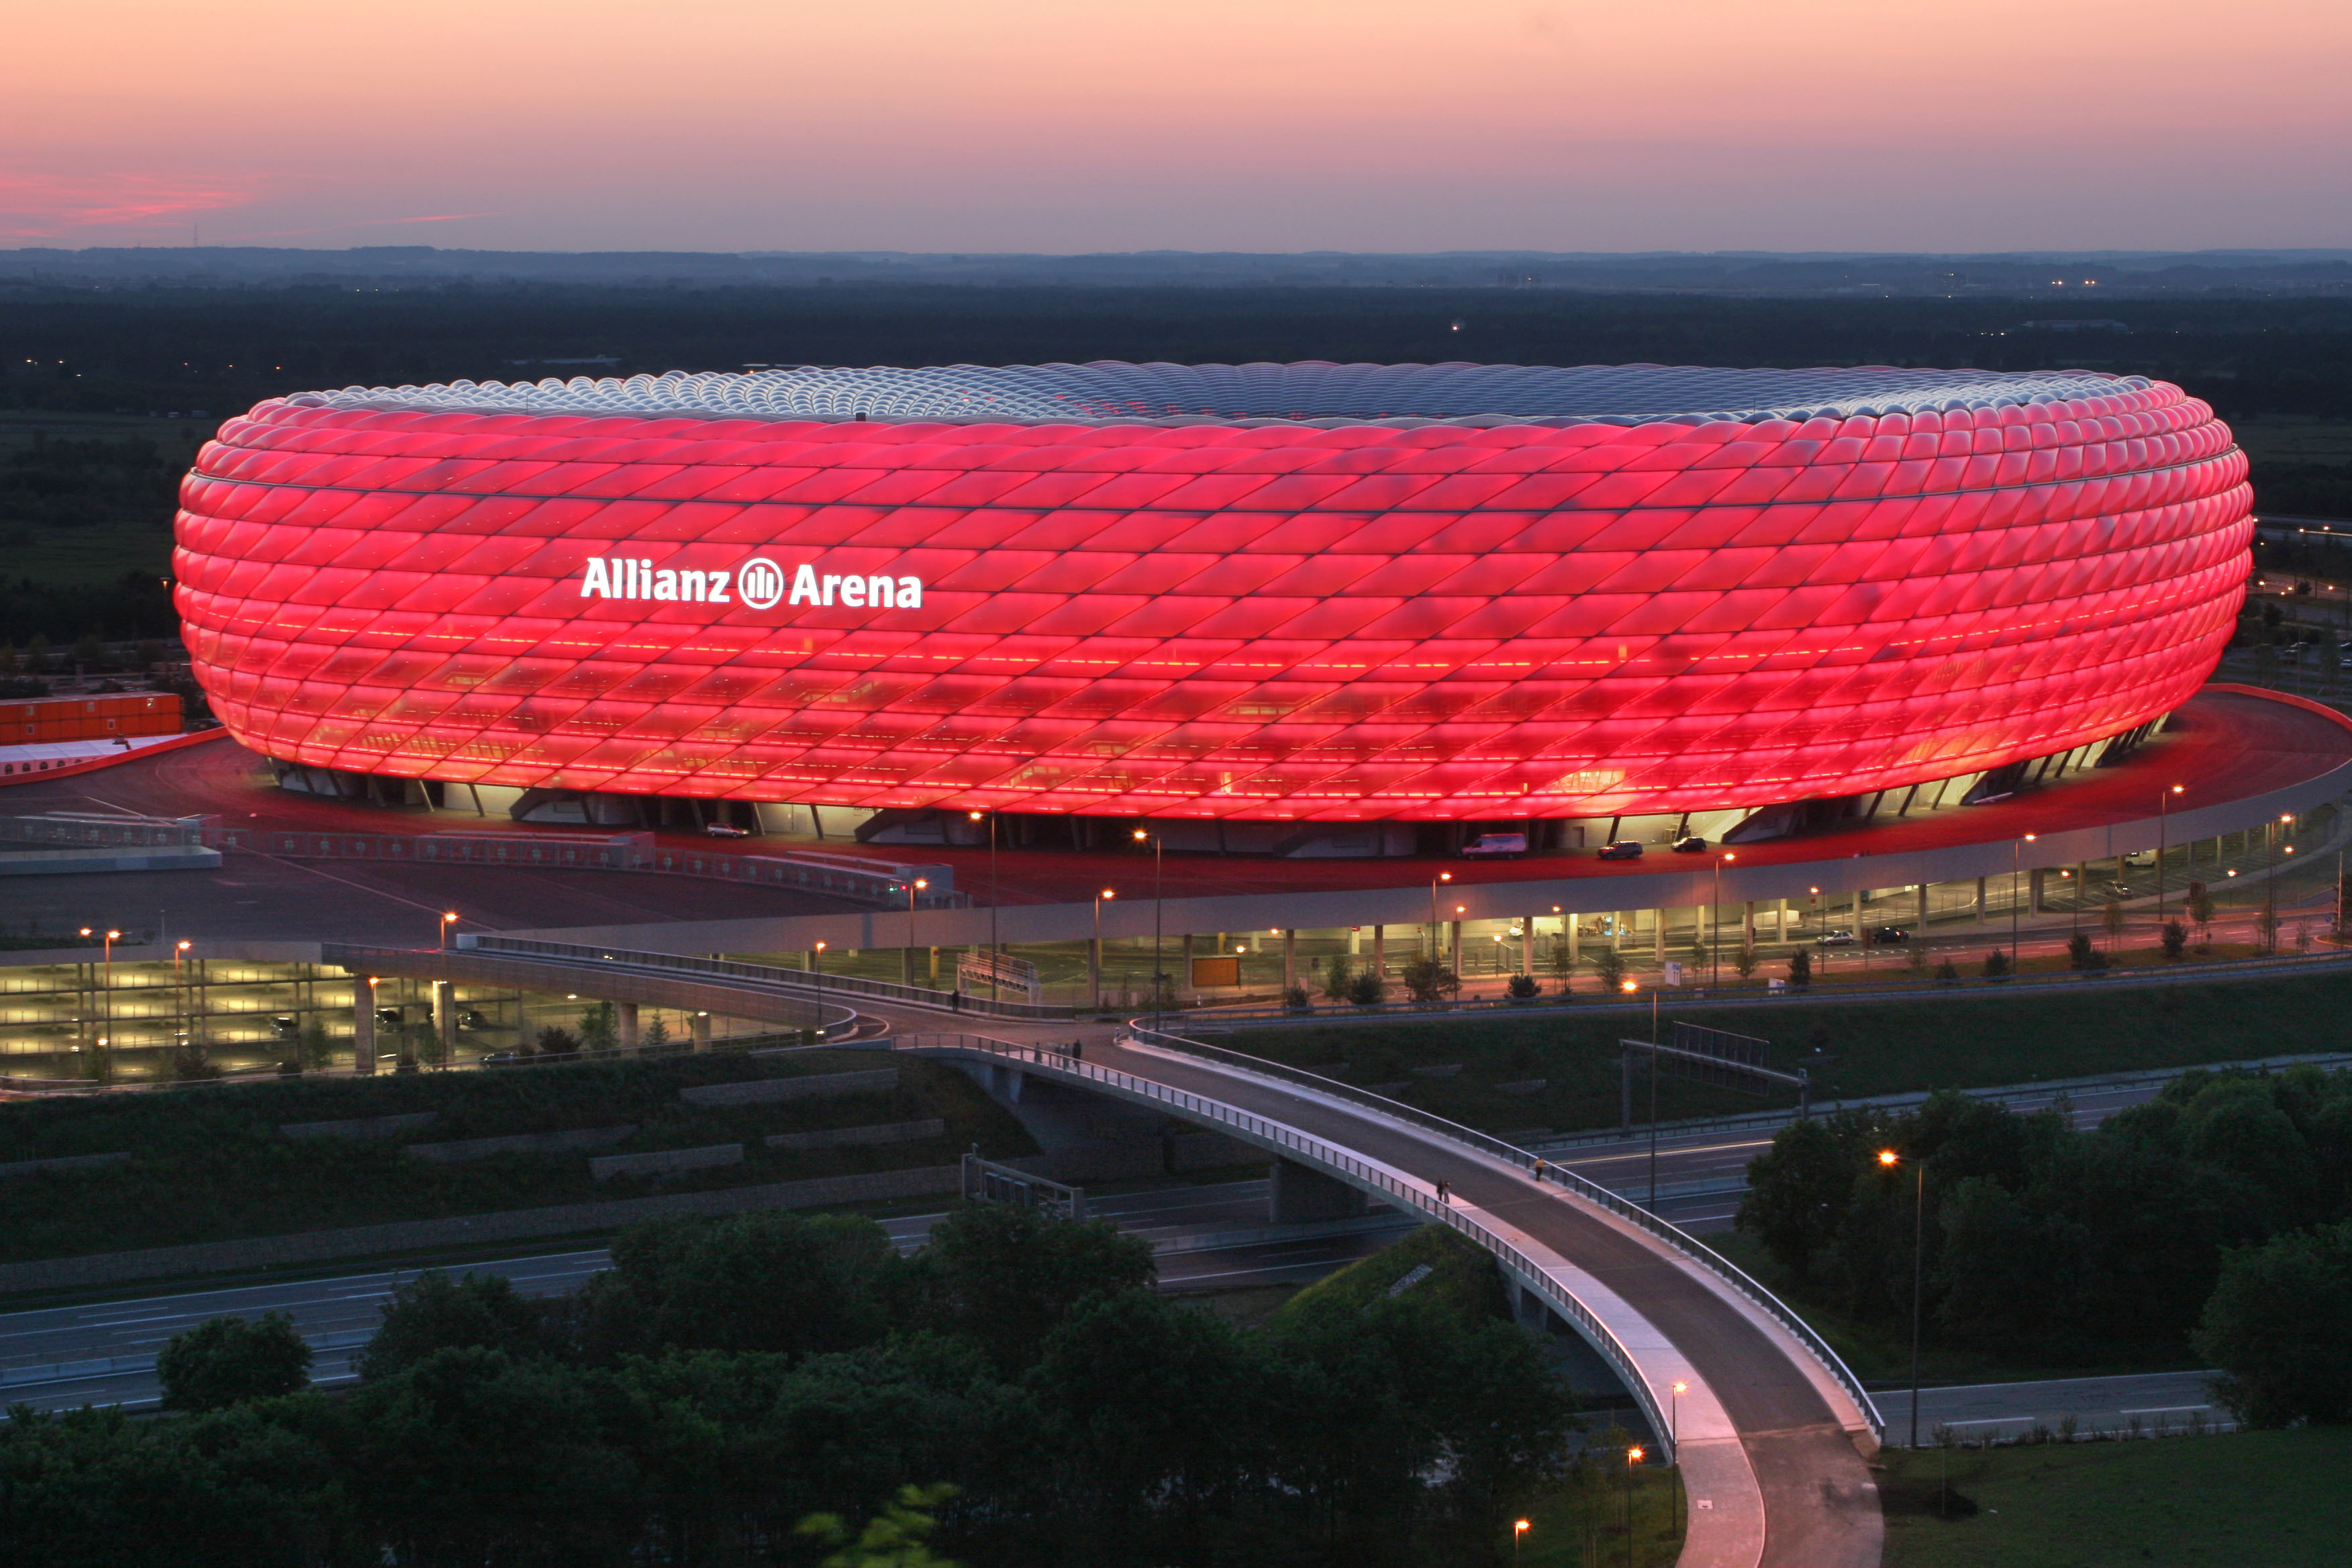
(512, 1225)
(767, 1090)
(360, 1126)
(462, 1149)
(663, 1161)
(846, 1137)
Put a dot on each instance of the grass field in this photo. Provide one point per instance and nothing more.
(2261, 1500)
(2291, 438)
(1968, 1039)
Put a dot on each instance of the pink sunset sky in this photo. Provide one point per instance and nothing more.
(1089, 125)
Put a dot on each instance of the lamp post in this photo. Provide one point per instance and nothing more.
(1632, 1458)
(1519, 1528)
(913, 887)
(1159, 976)
(179, 997)
(2016, 851)
(1889, 1159)
(1096, 965)
(995, 954)
(448, 921)
(1674, 1435)
(2163, 815)
(1436, 941)
(1715, 914)
(2269, 929)
(106, 1002)
(816, 974)
(1630, 988)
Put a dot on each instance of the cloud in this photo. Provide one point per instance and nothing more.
(52, 206)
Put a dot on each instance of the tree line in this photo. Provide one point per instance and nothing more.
(726, 1380)
(2217, 1216)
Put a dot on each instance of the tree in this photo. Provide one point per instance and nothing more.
(1297, 1000)
(1523, 988)
(2200, 909)
(227, 1361)
(1744, 961)
(2081, 953)
(434, 1312)
(1996, 964)
(1947, 974)
(599, 1027)
(2175, 937)
(1801, 969)
(556, 1041)
(1367, 989)
(898, 1537)
(656, 1033)
(2112, 918)
(789, 1283)
(1005, 1277)
(1430, 982)
(1607, 967)
(314, 1047)
(1338, 977)
(1916, 953)
(2274, 1325)
(1798, 1190)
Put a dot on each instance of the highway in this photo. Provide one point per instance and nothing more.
(104, 1352)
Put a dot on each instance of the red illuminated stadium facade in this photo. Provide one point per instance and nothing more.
(1305, 593)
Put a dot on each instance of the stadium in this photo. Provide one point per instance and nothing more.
(1322, 608)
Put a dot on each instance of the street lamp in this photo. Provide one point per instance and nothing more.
(2016, 850)
(1632, 1458)
(2163, 815)
(1436, 943)
(179, 997)
(1519, 1528)
(1715, 913)
(913, 887)
(1106, 893)
(816, 975)
(1674, 1435)
(1888, 1159)
(1159, 976)
(995, 954)
(448, 921)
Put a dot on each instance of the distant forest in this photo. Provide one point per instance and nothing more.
(111, 388)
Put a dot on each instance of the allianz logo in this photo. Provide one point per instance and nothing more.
(758, 584)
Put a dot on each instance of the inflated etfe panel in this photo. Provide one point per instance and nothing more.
(1261, 591)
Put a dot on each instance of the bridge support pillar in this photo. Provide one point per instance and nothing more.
(624, 1024)
(702, 1031)
(1299, 1195)
(1004, 1082)
(445, 1019)
(362, 1025)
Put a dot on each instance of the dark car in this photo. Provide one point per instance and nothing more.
(1889, 936)
(1624, 849)
(725, 830)
(286, 1025)
(498, 1059)
(389, 1016)
(471, 1019)
(1690, 845)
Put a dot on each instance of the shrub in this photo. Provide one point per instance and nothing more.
(1609, 967)
(2082, 954)
(1430, 981)
(1744, 961)
(1996, 965)
(1801, 969)
(1367, 989)
(227, 1361)
(1523, 988)
(1297, 1001)
(2175, 938)
(1947, 974)
(1338, 977)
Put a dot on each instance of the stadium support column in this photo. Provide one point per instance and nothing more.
(624, 1021)
(445, 1019)
(1184, 982)
(1094, 974)
(1658, 936)
(1575, 939)
(2033, 880)
(1528, 944)
(1780, 921)
(1922, 922)
(702, 1031)
(1981, 901)
(1748, 927)
(1289, 958)
(1453, 937)
(1380, 952)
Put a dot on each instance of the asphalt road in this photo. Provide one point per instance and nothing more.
(2146, 1402)
(103, 1353)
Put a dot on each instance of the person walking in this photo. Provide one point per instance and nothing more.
(1445, 1192)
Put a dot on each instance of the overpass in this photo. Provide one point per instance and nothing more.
(1770, 1428)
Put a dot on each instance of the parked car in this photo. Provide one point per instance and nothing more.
(1889, 936)
(2120, 890)
(1624, 849)
(285, 1026)
(471, 1019)
(1835, 939)
(498, 1059)
(1489, 844)
(389, 1016)
(1690, 845)
(2140, 857)
(725, 830)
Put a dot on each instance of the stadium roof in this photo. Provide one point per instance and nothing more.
(1311, 391)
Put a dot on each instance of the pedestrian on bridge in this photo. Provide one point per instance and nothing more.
(1445, 1192)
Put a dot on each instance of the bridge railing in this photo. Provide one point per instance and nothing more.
(1066, 1062)
(814, 984)
(1592, 1192)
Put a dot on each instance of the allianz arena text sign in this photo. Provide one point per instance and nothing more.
(1277, 592)
(759, 583)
